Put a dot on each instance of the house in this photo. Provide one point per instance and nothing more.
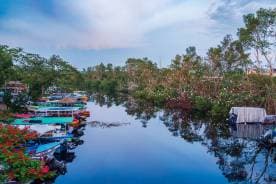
(261, 72)
(16, 87)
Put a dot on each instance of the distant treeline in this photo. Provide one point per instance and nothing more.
(237, 72)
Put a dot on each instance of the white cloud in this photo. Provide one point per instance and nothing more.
(103, 24)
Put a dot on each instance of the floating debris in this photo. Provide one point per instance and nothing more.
(106, 124)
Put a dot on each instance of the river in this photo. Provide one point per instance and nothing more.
(148, 147)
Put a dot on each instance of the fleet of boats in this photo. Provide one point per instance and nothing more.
(58, 122)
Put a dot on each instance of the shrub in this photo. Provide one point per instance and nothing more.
(16, 165)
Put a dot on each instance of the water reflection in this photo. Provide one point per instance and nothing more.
(240, 155)
(249, 131)
(140, 109)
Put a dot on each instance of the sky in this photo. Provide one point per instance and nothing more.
(88, 32)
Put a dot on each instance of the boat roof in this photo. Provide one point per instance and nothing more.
(249, 114)
(41, 109)
(39, 128)
(43, 120)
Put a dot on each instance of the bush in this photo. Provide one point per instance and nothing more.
(202, 104)
(108, 86)
(159, 95)
(182, 104)
(16, 165)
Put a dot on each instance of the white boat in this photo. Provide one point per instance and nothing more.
(246, 115)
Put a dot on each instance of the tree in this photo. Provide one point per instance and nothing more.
(6, 65)
(15, 164)
(7, 99)
(228, 56)
(259, 34)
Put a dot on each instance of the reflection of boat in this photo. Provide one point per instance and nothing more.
(68, 157)
(270, 135)
(251, 131)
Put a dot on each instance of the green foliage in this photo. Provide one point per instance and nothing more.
(16, 103)
(104, 79)
(219, 112)
(5, 64)
(108, 86)
(7, 99)
(37, 72)
(228, 56)
(258, 34)
(159, 95)
(201, 105)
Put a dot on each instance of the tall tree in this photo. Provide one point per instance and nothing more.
(6, 65)
(230, 55)
(259, 34)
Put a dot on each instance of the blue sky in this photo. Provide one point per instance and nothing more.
(87, 32)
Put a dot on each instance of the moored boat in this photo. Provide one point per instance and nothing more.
(246, 115)
(38, 151)
(43, 120)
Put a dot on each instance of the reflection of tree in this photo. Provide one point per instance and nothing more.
(141, 110)
(109, 100)
(240, 160)
(183, 127)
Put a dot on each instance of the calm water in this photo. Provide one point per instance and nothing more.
(154, 149)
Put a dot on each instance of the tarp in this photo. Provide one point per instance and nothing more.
(248, 114)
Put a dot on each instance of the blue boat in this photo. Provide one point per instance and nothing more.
(37, 151)
(58, 136)
(43, 120)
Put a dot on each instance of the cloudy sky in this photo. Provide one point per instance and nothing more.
(87, 32)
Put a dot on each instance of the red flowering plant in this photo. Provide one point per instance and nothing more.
(14, 163)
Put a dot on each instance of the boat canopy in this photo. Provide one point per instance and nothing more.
(43, 120)
(40, 128)
(56, 109)
(248, 114)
